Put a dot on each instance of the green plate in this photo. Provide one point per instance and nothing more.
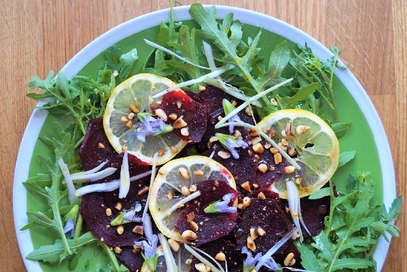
(366, 136)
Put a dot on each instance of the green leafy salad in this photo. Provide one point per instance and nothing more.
(268, 78)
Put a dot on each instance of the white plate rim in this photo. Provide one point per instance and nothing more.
(146, 21)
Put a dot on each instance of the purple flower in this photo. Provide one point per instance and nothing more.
(250, 260)
(69, 227)
(150, 126)
(131, 215)
(128, 216)
(231, 144)
(271, 264)
(222, 206)
(149, 247)
(234, 118)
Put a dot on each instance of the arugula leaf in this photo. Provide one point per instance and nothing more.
(340, 129)
(123, 64)
(346, 157)
(323, 192)
(81, 98)
(351, 230)
(41, 179)
(313, 78)
(312, 69)
(279, 59)
(226, 36)
(57, 252)
(188, 49)
(55, 194)
(76, 100)
(301, 94)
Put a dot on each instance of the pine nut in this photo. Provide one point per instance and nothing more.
(179, 123)
(220, 256)
(189, 235)
(108, 212)
(289, 169)
(246, 186)
(246, 201)
(250, 244)
(161, 114)
(288, 259)
(184, 172)
(120, 230)
(138, 229)
(175, 246)
(258, 148)
(262, 167)
(301, 129)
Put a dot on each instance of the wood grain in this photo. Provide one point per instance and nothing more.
(40, 35)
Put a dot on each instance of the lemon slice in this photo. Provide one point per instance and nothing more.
(121, 124)
(315, 144)
(175, 183)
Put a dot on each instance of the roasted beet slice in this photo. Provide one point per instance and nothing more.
(95, 147)
(275, 171)
(313, 213)
(94, 212)
(138, 189)
(290, 248)
(246, 171)
(212, 226)
(94, 205)
(240, 174)
(262, 215)
(231, 251)
(133, 261)
(266, 193)
(190, 116)
(213, 97)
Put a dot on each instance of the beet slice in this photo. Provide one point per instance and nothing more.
(249, 172)
(213, 97)
(232, 253)
(240, 174)
(247, 157)
(94, 205)
(266, 193)
(212, 226)
(313, 213)
(290, 247)
(95, 147)
(133, 261)
(93, 211)
(265, 214)
(192, 112)
(266, 179)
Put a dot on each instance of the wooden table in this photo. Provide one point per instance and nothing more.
(36, 36)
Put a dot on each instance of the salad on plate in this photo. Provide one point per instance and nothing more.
(214, 149)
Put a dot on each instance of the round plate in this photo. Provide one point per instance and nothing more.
(367, 135)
